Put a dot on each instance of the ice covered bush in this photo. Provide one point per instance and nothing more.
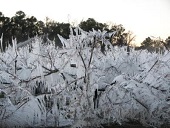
(87, 82)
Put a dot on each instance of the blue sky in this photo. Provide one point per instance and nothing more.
(143, 17)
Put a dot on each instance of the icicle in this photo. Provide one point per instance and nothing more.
(1, 42)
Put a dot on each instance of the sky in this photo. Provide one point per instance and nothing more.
(142, 17)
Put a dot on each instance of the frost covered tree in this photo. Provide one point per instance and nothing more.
(80, 85)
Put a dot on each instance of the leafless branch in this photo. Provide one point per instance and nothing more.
(153, 65)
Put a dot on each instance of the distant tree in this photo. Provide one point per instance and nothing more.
(31, 26)
(22, 27)
(64, 29)
(148, 42)
(1, 21)
(17, 22)
(167, 42)
(40, 26)
(120, 37)
(129, 38)
(153, 44)
(90, 24)
(1, 18)
(52, 28)
(5, 30)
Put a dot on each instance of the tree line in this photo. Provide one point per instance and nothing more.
(21, 27)
(155, 44)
